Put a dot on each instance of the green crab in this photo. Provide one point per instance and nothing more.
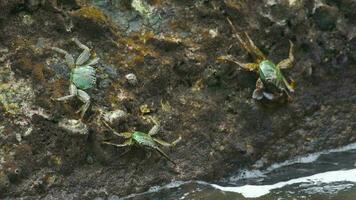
(271, 83)
(82, 75)
(144, 140)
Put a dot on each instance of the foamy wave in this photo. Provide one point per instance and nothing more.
(254, 191)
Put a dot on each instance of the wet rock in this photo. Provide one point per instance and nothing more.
(34, 4)
(15, 95)
(352, 53)
(210, 77)
(325, 17)
(123, 4)
(13, 172)
(90, 159)
(110, 71)
(7, 6)
(4, 181)
(105, 83)
(222, 127)
(114, 197)
(148, 12)
(347, 7)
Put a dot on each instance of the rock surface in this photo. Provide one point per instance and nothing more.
(181, 84)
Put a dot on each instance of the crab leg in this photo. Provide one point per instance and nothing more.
(246, 66)
(258, 92)
(93, 62)
(167, 144)
(254, 49)
(290, 86)
(160, 151)
(248, 45)
(73, 92)
(287, 63)
(154, 130)
(84, 56)
(126, 135)
(126, 143)
(85, 98)
(69, 58)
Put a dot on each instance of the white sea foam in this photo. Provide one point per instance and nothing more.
(254, 191)
(260, 190)
(327, 189)
(309, 158)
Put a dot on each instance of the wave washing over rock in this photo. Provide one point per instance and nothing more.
(254, 191)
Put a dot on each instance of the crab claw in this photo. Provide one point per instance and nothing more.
(257, 94)
(269, 96)
(290, 86)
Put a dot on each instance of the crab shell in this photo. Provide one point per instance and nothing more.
(83, 77)
(144, 139)
(271, 76)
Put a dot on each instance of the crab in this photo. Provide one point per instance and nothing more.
(82, 75)
(271, 83)
(145, 140)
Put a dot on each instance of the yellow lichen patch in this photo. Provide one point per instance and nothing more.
(198, 85)
(166, 106)
(50, 178)
(92, 13)
(95, 15)
(138, 48)
(137, 42)
(145, 109)
(234, 4)
(14, 94)
(56, 160)
(20, 43)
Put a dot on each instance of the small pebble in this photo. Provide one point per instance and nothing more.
(114, 116)
(131, 78)
(18, 137)
(28, 20)
(213, 33)
(28, 132)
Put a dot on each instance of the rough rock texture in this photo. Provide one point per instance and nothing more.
(179, 81)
